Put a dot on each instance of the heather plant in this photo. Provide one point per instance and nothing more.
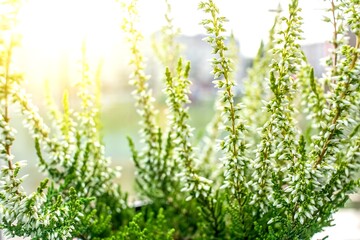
(276, 182)
(157, 164)
(260, 172)
(71, 200)
(79, 197)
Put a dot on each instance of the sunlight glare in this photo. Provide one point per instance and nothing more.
(53, 26)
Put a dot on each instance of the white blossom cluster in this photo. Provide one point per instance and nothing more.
(147, 161)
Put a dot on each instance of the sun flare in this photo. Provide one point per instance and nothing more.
(50, 26)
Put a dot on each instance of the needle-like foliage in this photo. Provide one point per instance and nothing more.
(277, 162)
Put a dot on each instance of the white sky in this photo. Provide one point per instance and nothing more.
(250, 20)
(50, 24)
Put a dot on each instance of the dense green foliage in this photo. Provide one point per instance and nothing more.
(257, 174)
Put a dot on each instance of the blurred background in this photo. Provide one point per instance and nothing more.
(53, 31)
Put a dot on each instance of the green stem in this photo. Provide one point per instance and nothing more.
(6, 93)
(338, 110)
